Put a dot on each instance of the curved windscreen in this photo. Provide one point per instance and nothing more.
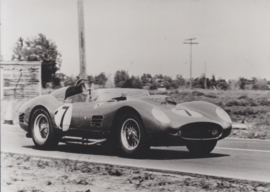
(108, 94)
(59, 94)
(98, 95)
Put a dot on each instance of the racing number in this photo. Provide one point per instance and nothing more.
(62, 119)
(63, 116)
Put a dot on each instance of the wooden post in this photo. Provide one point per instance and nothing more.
(82, 74)
(205, 80)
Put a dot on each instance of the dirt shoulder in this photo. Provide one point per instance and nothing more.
(21, 173)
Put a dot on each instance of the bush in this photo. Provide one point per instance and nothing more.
(197, 93)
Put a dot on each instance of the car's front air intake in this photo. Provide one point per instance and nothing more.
(21, 118)
(201, 131)
(96, 120)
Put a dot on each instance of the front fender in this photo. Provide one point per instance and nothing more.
(47, 102)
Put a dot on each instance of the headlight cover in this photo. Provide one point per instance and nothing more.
(160, 115)
(223, 115)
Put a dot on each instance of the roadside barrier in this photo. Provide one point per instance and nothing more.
(8, 115)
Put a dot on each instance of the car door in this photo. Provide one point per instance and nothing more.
(70, 114)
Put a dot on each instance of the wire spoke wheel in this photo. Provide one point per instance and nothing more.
(41, 128)
(130, 134)
(42, 131)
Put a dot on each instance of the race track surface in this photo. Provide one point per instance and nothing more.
(232, 158)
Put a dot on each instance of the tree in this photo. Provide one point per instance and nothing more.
(167, 82)
(70, 81)
(120, 78)
(146, 79)
(136, 82)
(222, 84)
(90, 80)
(180, 81)
(101, 79)
(260, 84)
(213, 82)
(242, 83)
(56, 82)
(158, 81)
(133, 82)
(39, 49)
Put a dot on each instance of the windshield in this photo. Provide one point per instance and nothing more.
(108, 94)
(59, 94)
(98, 95)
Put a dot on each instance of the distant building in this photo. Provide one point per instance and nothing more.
(20, 79)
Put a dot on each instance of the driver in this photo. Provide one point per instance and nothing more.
(75, 91)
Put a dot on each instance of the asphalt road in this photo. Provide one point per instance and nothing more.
(232, 158)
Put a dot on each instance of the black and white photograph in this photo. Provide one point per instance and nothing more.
(135, 95)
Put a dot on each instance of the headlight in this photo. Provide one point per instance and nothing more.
(223, 115)
(160, 115)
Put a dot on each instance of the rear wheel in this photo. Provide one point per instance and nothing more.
(131, 136)
(201, 147)
(43, 134)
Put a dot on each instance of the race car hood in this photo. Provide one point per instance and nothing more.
(189, 112)
(159, 100)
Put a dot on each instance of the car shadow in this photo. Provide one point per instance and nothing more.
(167, 154)
(153, 153)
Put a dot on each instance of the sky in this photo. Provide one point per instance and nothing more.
(146, 36)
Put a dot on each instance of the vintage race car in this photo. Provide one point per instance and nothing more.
(129, 119)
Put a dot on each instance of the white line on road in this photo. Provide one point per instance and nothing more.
(237, 149)
(243, 139)
(13, 132)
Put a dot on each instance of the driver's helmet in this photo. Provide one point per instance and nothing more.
(82, 84)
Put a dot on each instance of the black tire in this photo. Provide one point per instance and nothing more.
(43, 134)
(131, 136)
(201, 147)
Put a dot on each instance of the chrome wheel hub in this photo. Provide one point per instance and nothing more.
(130, 134)
(41, 128)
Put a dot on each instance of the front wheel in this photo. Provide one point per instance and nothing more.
(131, 136)
(201, 147)
(43, 134)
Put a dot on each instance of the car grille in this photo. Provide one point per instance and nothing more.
(200, 130)
(97, 120)
(21, 118)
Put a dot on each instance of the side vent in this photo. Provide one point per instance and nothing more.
(21, 118)
(96, 120)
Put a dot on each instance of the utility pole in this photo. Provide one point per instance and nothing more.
(205, 82)
(82, 74)
(191, 43)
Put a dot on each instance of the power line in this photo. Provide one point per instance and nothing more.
(190, 43)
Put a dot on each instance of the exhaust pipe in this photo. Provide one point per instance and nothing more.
(81, 141)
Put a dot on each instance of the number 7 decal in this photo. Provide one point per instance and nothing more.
(62, 119)
(62, 116)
